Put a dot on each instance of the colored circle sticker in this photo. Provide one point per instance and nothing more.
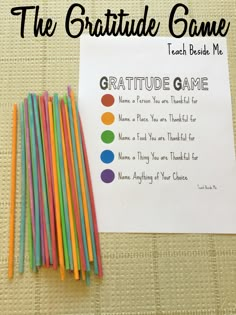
(107, 136)
(107, 156)
(107, 176)
(108, 118)
(107, 100)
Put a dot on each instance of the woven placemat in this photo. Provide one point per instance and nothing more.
(144, 274)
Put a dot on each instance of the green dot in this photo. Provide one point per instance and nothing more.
(107, 136)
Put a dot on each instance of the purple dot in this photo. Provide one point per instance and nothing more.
(107, 176)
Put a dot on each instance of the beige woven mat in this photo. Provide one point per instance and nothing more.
(144, 274)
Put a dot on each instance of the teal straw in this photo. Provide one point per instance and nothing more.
(35, 182)
(78, 183)
(62, 187)
(43, 176)
(23, 190)
(88, 202)
(30, 233)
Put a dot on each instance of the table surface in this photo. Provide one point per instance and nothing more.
(144, 273)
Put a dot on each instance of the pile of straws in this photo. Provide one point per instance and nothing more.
(57, 195)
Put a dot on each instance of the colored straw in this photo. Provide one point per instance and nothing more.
(13, 194)
(29, 171)
(43, 235)
(88, 199)
(49, 141)
(87, 225)
(63, 182)
(35, 181)
(71, 170)
(77, 184)
(71, 218)
(100, 271)
(42, 174)
(57, 202)
(48, 262)
(41, 209)
(23, 190)
(57, 198)
(49, 181)
(30, 234)
(73, 187)
(50, 173)
(77, 177)
(60, 173)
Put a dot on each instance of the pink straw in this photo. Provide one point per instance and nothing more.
(45, 130)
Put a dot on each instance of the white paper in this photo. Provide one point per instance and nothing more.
(152, 190)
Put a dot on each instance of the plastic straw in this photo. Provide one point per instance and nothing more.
(82, 183)
(42, 174)
(13, 195)
(23, 190)
(57, 202)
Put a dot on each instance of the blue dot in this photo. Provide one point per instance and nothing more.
(107, 156)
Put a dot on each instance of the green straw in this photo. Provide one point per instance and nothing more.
(59, 158)
(78, 183)
(77, 244)
(30, 234)
(35, 182)
(43, 177)
(23, 190)
(63, 183)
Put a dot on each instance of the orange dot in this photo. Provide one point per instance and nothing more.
(108, 118)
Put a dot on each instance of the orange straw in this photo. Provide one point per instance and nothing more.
(57, 204)
(71, 168)
(13, 194)
(72, 227)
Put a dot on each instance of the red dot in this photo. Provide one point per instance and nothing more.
(107, 100)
